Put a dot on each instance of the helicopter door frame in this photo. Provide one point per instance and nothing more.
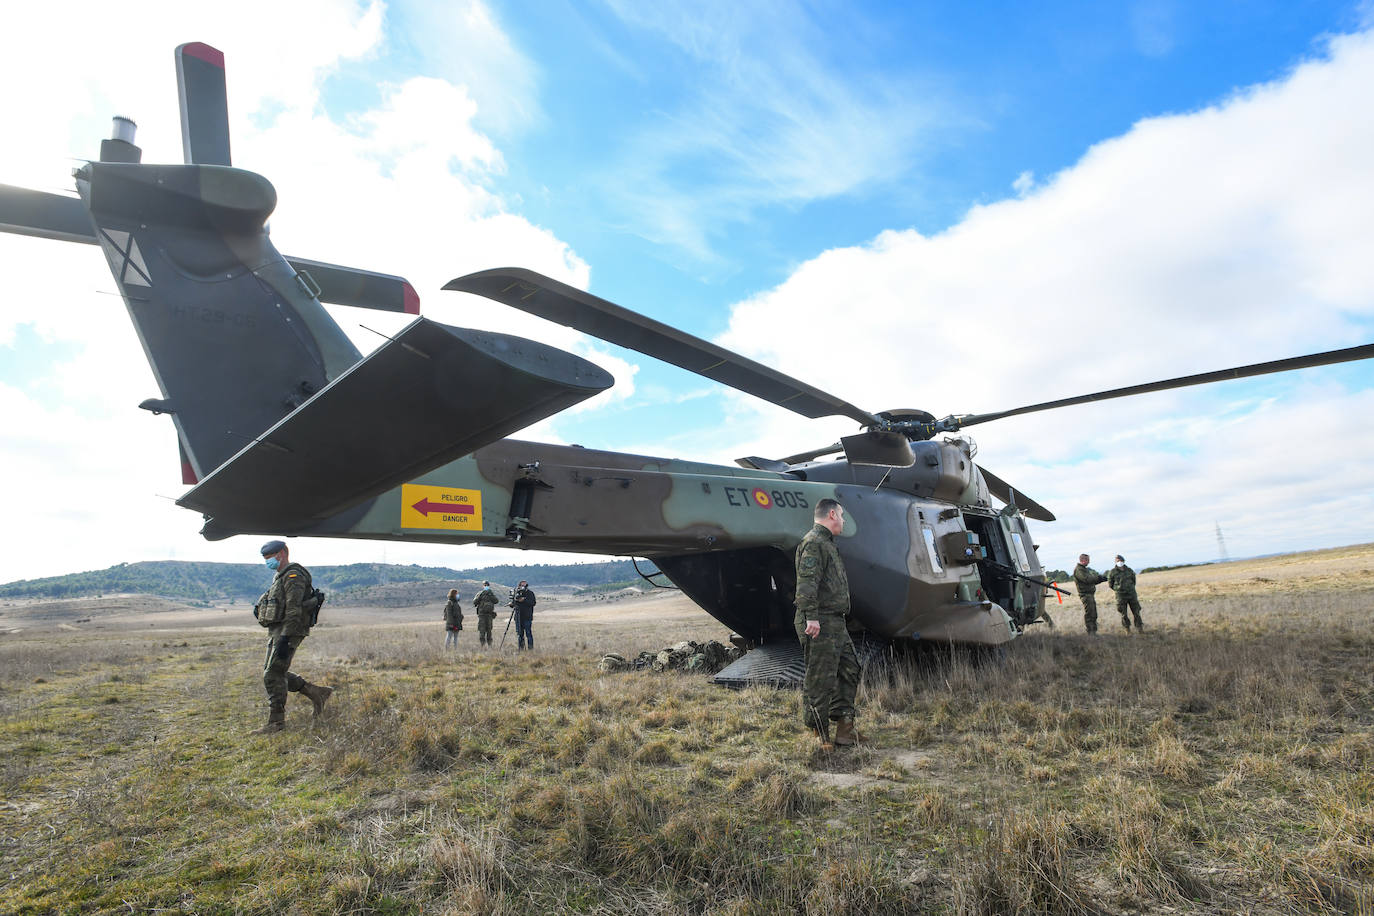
(992, 534)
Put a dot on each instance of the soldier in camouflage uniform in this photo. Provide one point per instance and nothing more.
(1086, 579)
(1121, 580)
(286, 612)
(832, 667)
(453, 619)
(485, 602)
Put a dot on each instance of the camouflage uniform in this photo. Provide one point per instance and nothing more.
(832, 667)
(284, 602)
(453, 621)
(1121, 579)
(485, 603)
(1087, 579)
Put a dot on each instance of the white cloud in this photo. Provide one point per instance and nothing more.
(768, 118)
(401, 187)
(1232, 235)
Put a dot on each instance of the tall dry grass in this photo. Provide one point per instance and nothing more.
(1218, 763)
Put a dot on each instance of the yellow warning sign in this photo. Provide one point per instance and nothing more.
(440, 507)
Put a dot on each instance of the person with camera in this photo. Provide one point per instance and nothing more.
(522, 600)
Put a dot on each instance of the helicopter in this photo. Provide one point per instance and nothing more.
(285, 428)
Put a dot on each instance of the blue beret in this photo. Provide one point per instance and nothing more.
(272, 547)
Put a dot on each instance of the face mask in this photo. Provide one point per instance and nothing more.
(1120, 563)
(273, 562)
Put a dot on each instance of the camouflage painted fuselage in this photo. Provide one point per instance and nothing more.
(726, 535)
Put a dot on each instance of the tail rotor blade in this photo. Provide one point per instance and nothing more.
(204, 104)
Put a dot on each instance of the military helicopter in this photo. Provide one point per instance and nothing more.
(285, 428)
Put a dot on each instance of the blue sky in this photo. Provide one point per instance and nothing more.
(974, 206)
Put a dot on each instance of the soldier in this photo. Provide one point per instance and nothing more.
(832, 667)
(1122, 581)
(1087, 579)
(453, 619)
(522, 599)
(485, 602)
(286, 610)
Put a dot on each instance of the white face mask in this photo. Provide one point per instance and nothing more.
(1120, 563)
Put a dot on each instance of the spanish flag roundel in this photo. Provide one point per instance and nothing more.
(763, 499)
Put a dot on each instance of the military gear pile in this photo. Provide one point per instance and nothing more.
(706, 658)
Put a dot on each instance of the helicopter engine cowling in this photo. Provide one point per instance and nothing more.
(944, 470)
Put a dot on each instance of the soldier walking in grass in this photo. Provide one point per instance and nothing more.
(1121, 580)
(287, 609)
(832, 666)
(485, 602)
(453, 619)
(1086, 579)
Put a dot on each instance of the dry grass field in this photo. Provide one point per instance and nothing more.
(1222, 762)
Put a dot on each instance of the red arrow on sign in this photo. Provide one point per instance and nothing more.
(425, 507)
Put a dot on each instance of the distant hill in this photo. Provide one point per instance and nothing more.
(214, 581)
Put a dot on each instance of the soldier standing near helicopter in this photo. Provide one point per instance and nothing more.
(1121, 580)
(832, 666)
(485, 602)
(285, 609)
(1086, 579)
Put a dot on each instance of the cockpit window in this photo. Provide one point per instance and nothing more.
(934, 554)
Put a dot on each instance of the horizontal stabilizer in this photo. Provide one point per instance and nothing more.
(367, 289)
(44, 215)
(430, 395)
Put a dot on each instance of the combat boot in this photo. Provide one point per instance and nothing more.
(846, 735)
(317, 696)
(276, 721)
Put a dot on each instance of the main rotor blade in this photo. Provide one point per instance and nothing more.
(1003, 491)
(1330, 357)
(812, 455)
(569, 306)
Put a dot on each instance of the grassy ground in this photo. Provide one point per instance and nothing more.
(1222, 762)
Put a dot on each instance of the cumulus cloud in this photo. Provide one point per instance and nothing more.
(402, 185)
(1227, 236)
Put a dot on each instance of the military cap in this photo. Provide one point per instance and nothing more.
(272, 547)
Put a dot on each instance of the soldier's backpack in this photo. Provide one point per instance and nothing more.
(312, 604)
(273, 614)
